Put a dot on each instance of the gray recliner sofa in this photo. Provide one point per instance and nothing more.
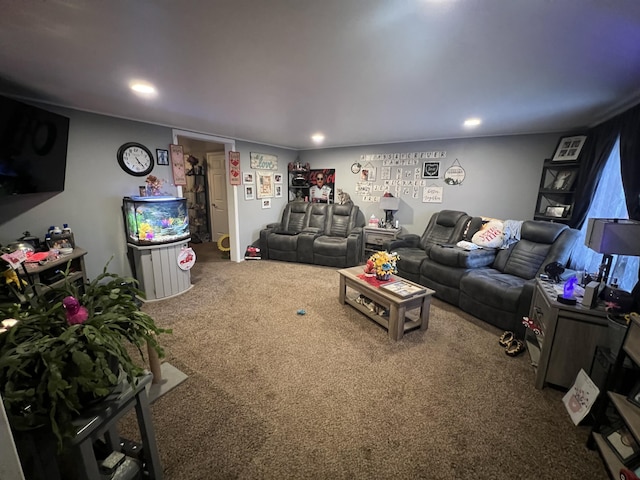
(316, 233)
(495, 285)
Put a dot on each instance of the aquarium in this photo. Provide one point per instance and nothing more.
(155, 220)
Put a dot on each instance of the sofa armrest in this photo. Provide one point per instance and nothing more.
(273, 225)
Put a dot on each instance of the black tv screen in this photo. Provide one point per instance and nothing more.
(33, 156)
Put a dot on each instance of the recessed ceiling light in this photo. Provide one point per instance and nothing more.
(317, 138)
(144, 89)
(472, 122)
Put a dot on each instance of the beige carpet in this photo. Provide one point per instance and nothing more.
(275, 395)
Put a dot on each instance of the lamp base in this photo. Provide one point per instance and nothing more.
(566, 301)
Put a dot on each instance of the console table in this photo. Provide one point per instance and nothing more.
(376, 238)
(570, 335)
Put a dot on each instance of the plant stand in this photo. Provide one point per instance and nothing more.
(38, 451)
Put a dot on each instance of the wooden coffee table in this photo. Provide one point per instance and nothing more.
(395, 322)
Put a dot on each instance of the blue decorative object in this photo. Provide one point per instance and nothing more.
(301, 312)
(567, 296)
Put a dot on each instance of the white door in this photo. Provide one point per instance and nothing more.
(218, 195)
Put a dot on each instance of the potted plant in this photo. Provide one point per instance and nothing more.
(69, 348)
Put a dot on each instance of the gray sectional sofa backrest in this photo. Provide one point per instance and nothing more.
(540, 244)
(318, 233)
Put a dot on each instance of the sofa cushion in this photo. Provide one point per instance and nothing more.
(490, 235)
(494, 288)
(458, 257)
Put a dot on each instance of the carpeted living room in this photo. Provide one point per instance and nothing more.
(275, 394)
(348, 239)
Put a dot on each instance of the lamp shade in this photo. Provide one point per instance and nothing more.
(613, 236)
(389, 203)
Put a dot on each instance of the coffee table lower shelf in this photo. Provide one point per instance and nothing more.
(403, 314)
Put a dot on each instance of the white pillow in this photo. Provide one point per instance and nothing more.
(491, 235)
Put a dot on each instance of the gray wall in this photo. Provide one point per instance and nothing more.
(502, 177)
(94, 187)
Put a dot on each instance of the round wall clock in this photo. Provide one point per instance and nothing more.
(135, 159)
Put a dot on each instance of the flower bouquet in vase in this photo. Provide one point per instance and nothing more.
(382, 265)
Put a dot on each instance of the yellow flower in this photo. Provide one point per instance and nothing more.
(384, 262)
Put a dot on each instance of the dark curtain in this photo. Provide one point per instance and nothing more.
(630, 160)
(594, 156)
(630, 170)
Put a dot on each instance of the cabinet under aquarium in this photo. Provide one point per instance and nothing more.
(155, 220)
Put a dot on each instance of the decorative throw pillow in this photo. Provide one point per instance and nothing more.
(491, 235)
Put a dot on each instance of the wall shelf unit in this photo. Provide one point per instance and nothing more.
(557, 190)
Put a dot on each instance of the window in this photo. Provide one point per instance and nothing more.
(609, 202)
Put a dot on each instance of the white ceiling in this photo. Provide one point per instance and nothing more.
(359, 71)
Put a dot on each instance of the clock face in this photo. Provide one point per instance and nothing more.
(135, 159)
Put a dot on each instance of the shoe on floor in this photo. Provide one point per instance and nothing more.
(515, 348)
(506, 338)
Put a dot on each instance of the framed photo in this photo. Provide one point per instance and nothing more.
(431, 169)
(247, 177)
(177, 164)
(277, 178)
(569, 148)
(265, 185)
(249, 192)
(266, 203)
(555, 211)
(162, 157)
(278, 191)
(62, 240)
(622, 442)
(634, 395)
(564, 179)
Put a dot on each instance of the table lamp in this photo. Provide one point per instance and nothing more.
(612, 236)
(390, 205)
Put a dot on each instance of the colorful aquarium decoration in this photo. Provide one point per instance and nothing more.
(155, 220)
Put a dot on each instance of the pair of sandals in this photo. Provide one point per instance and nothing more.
(512, 346)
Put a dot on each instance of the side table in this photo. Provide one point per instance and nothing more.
(570, 335)
(376, 238)
(38, 451)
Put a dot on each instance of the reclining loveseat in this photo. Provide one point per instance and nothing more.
(316, 233)
(493, 284)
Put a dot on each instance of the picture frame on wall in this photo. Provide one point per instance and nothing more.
(278, 191)
(249, 192)
(431, 169)
(247, 178)
(277, 178)
(162, 156)
(266, 203)
(569, 148)
(265, 185)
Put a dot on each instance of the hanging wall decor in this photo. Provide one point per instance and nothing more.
(431, 169)
(263, 161)
(432, 194)
(454, 175)
(265, 185)
(234, 168)
(177, 164)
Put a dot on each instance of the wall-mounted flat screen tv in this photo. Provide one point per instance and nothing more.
(33, 149)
